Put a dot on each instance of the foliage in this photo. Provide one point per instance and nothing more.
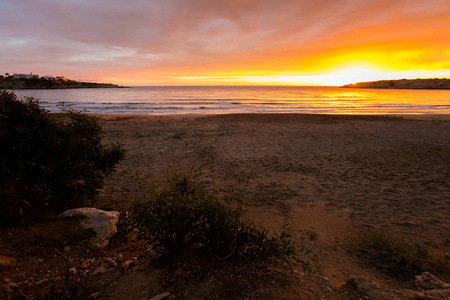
(47, 164)
(183, 215)
(399, 258)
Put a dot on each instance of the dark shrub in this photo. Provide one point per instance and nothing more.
(46, 164)
(183, 215)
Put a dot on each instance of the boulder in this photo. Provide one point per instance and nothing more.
(429, 282)
(103, 223)
(430, 288)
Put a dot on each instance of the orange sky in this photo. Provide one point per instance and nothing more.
(231, 42)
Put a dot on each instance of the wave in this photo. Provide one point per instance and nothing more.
(172, 100)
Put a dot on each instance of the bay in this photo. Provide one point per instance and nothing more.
(244, 99)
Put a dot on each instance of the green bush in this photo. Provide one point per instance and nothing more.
(400, 258)
(183, 215)
(47, 164)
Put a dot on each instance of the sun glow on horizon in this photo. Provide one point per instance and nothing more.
(348, 74)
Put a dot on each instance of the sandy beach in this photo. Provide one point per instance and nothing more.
(390, 173)
(327, 176)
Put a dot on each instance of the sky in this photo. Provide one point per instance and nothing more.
(226, 42)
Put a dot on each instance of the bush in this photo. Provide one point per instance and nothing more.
(47, 164)
(399, 258)
(184, 215)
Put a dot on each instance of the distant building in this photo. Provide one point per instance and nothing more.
(61, 78)
(25, 76)
(47, 77)
(1, 76)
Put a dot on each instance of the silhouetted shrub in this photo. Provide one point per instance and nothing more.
(183, 215)
(47, 164)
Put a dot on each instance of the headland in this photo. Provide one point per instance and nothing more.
(33, 81)
(429, 84)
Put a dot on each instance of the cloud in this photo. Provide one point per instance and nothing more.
(206, 38)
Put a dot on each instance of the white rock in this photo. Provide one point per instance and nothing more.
(103, 223)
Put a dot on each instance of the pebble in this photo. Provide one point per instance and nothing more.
(99, 270)
(128, 264)
(111, 262)
(41, 281)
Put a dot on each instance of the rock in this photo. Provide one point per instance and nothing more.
(160, 296)
(103, 223)
(369, 288)
(96, 294)
(99, 270)
(128, 264)
(111, 262)
(119, 257)
(429, 282)
(6, 280)
(7, 261)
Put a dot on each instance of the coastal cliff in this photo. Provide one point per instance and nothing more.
(433, 84)
(40, 83)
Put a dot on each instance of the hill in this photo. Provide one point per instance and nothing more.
(41, 83)
(432, 84)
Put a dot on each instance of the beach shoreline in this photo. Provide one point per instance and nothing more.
(330, 177)
(387, 172)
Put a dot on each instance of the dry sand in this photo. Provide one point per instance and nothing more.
(327, 176)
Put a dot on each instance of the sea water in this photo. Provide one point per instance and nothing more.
(243, 99)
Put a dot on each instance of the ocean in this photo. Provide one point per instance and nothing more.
(244, 99)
